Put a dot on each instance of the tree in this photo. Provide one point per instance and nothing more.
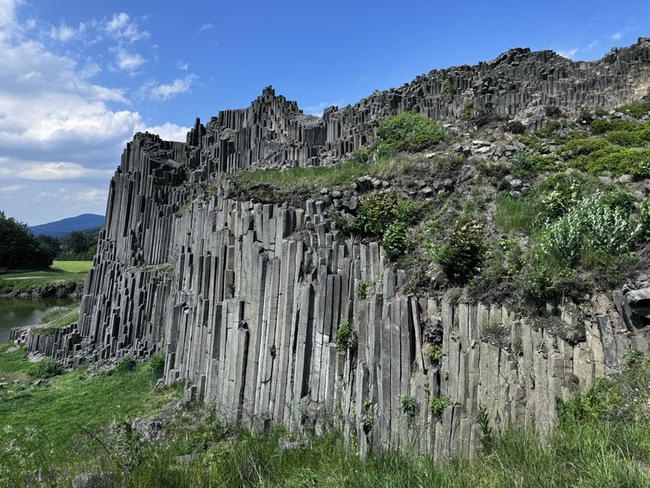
(79, 245)
(19, 249)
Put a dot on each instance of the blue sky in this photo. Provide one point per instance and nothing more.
(78, 78)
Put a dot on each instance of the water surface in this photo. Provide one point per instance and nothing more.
(17, 312)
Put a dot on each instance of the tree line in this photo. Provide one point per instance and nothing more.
(20, 249)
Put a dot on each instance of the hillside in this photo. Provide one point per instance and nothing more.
(470, 245)
(62, 227)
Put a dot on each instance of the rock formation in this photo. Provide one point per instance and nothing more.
(245, 299)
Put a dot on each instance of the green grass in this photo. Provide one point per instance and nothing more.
(311, 178)
(60, 273)
(515, 215)
(75, 267)
(48, 425)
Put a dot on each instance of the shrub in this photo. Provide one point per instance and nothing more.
(618, 161)
(46, 368)
(437, 405)
(450, 87)
(580, 147)
(494, 333)
(464, 251)
(359, 156)
(626, 138)
(408, 132)
(396, 240)
(599, 223)
(637, 109)
(515, 126)
(562, 239)
(362, 290)
(126, 364)
(552, 111)
(156, 365)
(487, 434)
(346, 338)
(536, 281)
(376, 212)
(607, 226)
(409, 406)
(434, 353)
(527, 161)
(408, 211)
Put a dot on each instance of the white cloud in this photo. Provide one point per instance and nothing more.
(318, 109)
(127, 61)
(121, 27)
(8, 13)
(166, 91)
(57, 127)
(616, 36)
(63, 33)
(568, 53)
(183, 66)
(12, 188)
(167, 131)
(205, 27)
(56, 171)
(71, 199)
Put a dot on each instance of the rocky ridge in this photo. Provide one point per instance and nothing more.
(247, 299)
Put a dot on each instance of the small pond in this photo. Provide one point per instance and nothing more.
(17, 312)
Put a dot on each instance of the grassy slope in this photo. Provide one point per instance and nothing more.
(46, 425)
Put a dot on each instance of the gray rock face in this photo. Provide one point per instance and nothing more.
(245, 299)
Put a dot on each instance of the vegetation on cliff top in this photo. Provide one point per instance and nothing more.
(525, 218)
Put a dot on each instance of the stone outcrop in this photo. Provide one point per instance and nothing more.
(246, 299)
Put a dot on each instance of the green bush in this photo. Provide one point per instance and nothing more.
(125, 365)
(360, 156)
(407, 211)
(45, 368)
(376, 212)
(464, 251)
(618, 161)
(156, 365)
(515, 126)
(626, 138)
(599, 224)
(396, 240)
(434, 353)
(563, 238)
(637, 109)
(437, 405)
(581, 147)
(408, 132)
(409, 406)
(346, 338)
(362, 290)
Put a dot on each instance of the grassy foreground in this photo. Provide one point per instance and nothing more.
(74, 423)
(62, 274)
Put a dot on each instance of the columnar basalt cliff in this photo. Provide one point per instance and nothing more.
(245, 299)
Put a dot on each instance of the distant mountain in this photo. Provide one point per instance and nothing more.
(65, 226)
